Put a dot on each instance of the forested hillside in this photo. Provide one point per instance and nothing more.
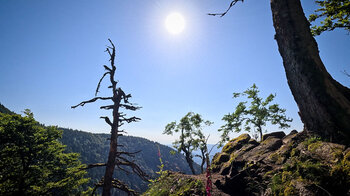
(4, 110)
(93, 148)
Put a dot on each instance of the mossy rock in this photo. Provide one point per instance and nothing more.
(236, 144)
(327, 152)
(220, 158)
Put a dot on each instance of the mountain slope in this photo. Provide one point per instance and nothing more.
(4, 110)
(94, 148)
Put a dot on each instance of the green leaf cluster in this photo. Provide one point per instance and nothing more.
(336, 14)
(190, 129)
(191, 136)
(253, 116)
(33, 161)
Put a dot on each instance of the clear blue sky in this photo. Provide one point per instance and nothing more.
(52, 52)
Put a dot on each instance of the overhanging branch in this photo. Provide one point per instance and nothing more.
(228, 9)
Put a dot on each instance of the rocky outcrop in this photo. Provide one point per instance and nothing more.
(294, 164)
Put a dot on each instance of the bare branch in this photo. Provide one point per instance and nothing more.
(130, 107)
(94, 165)
(107, 107)
(109, 52)
(92, 100)
(99, 83)
(130, 154)
(346, 73)
(129, 120)
(135, 168)
(122, 186)
(108, 121)
(110, 41)
(122, 169)
(107, 68)
(228, 9)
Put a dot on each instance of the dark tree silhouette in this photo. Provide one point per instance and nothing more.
(115, 158)
(324, 104)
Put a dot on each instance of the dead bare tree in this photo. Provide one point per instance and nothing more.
(116, 158)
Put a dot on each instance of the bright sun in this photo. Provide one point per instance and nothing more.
(175, 23)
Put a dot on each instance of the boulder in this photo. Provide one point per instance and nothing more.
(326, 151)
(289, 137)
(236, 144)
(279, 134)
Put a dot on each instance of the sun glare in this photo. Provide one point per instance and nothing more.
(175, 23)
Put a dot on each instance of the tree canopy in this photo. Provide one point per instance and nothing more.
(255, 116)
(335, 14)
(191, 137)
(33, 161)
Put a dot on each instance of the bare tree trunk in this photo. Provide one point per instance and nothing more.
(324, 104)
(108, 177)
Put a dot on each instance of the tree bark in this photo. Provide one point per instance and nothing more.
(108, 177)
(324, 104)
(189, 160)
(190, 163)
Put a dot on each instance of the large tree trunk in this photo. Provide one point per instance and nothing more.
(324, 104)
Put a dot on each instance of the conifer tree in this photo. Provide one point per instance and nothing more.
(34, 162)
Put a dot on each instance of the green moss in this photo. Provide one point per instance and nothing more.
(221, 158)
(295, 152)
(268, 174)
(290, 191)
(312, 147)
(274, 157)
(276, 184)
(236, 143)
(311, 140)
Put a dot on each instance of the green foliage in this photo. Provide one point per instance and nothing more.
(161, 167)
(255, 116)
(171, 184)
(191, 136)
(336, 14)
(33, 161)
